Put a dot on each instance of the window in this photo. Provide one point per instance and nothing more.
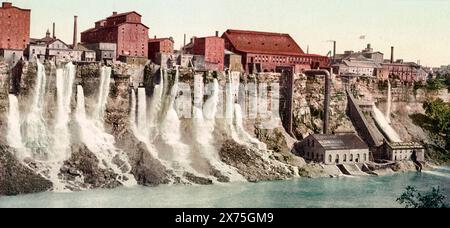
(345, 158)
(365, 157)
(330, 158)
(337, 158)
(351, 157)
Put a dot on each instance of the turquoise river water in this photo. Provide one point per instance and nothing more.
(341, 192)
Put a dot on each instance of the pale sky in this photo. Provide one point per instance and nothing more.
(419, 29)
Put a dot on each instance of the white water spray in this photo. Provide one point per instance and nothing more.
(93, 135)
(61, 136)
(14, 137)
(384, 125)
(389, 102)
(204, 125)
(171, 132)
(34, 128)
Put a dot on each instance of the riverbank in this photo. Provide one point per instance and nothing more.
(355, 192)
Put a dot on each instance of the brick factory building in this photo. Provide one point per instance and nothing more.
(270, 52)
(406, 72)
(126, 30)
(14, 31)
(158, 46)
(212, 48)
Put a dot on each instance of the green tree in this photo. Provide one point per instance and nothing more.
(414, 199)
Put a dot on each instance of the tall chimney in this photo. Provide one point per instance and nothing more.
(184, 42)
(392, 54)
(54, 35)
(75, 31)
(307, 50)
(327, 101)
(334, 50)
(217, 33)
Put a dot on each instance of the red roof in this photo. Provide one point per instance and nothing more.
(262, 42)
(123, 14)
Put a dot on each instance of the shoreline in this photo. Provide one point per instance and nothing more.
(292, 193)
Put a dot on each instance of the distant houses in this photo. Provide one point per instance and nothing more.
(370, 63)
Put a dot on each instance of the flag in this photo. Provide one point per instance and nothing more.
(363, 37)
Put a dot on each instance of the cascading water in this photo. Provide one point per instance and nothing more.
(142, 113)
(170, 130)
(234, 117)
(14, 137)
(93, 134)
(61, 136)
(105, 81)
(204, 125)
(34, 127)
(384, 125)
(389, 103)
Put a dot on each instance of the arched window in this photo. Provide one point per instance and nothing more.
(365, 157)
(330, 158)
(351, 157)
(337, 158)
(345, 158)
(358, 157)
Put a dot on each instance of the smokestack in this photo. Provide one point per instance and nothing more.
(75, 31)
(392, 54)
(326, 105)
(155, 36)
(307, 50)
(334, 50)
(217, 33)
(54, 35)
(184, 42)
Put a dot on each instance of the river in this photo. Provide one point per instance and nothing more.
(359, 192)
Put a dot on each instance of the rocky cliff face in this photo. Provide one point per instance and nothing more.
(309, 95)
(16, 178)
(257, 149)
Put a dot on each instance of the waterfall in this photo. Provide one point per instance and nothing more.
(34, 128)
(170, 129)
(133, 123)
(105, 81)
(61, 136)
(93, 135)
(142, 113)
(155, 107)
(384, 125)
(14, 137)
(389, 102)
(204, 125)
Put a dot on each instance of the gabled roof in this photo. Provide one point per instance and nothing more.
(340, 142)
(262, 42)
(54, 40)
(123, 14)
(153, 40)
(361, 63)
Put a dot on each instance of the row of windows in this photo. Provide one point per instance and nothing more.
(350, 158)
(337, 158)
(279, 59)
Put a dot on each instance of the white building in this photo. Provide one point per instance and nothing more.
(333, 149)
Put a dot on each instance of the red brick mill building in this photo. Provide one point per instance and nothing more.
(160, 46)
(271, 52)
(14, 31)
(125, 29)
(211, 47)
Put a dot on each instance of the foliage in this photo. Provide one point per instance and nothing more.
(441, 81)
(439, 112)
(414, 199)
